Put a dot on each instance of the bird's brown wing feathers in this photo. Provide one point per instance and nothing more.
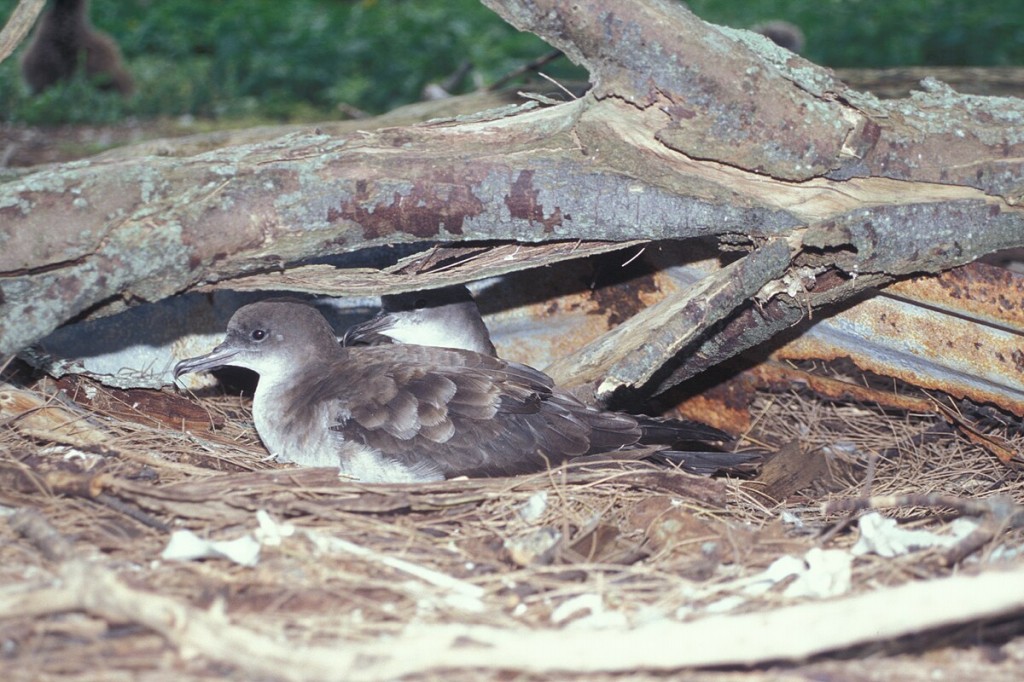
(466, 413)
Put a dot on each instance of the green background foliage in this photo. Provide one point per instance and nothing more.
(308, 59)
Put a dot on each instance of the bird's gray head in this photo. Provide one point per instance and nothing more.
(270, 338)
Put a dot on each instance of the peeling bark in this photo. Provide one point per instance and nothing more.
(689, 130)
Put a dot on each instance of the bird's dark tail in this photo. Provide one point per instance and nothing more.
(672, 431)
(707, 463)
(675, 432)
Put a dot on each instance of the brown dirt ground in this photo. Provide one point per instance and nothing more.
(133, 466)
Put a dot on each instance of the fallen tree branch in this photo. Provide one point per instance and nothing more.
(747, 639)
(689, 131)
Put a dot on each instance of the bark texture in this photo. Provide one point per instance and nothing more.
(690, 130)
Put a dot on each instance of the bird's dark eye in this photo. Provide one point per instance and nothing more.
(258, 334)
(421, 303)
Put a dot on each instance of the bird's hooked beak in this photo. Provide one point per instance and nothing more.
(378, 324)
(218, 357)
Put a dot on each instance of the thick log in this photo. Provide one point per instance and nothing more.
(689, 131)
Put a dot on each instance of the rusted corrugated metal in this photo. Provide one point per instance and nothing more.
(961, 332)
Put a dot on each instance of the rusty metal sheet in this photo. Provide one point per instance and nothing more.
(987, 293)
(961, 332)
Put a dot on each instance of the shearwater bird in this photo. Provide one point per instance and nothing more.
(406, 413)
(447, 317)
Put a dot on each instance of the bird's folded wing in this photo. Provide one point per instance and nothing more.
(467, 413)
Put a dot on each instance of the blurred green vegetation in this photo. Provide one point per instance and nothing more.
(304, 60)
(884, 33)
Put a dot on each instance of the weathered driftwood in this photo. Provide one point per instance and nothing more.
(689, 131)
